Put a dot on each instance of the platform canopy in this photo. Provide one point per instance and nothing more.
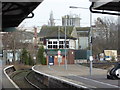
(13, 13)
(105, 6)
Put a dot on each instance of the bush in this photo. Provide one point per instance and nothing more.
(31, 62)
(113, 58)
(40, 56)
(26, 57)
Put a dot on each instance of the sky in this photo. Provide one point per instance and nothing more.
(59, 9)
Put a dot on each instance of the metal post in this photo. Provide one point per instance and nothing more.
(58, 41)
(90, 68)
(91, 42)
(65, 50)
(1, 17)
(90, 37)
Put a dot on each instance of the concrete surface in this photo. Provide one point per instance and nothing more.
(80, 75)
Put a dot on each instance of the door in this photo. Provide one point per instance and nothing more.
(51, 60)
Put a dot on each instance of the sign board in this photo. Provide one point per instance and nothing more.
(109, 54)
(91, 58)
(59, 59)
(59, 52)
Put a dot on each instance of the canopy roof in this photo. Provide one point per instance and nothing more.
(13, 13)
(105, 6)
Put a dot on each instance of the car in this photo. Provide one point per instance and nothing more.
(114, 73)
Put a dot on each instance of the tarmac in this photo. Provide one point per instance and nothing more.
(72, 70)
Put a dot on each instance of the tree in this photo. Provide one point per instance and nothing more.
(17, 40)
(107, 35)
(30, 60)
(40, 56)
(25, 57)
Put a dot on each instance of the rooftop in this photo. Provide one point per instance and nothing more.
(13, 13)
(53, 31)
(105, 7)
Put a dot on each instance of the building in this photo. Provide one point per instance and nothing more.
(58, 31)
(80, 33)
(53, 39)
(56, 40)
(71, 20)
(83, 37)
(51, 20)
(55, 44)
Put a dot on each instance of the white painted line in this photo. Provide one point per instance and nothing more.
(97, 81)
(80, 86)
(9, 77)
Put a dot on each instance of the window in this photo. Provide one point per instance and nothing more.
(54, 42)
(55, 46)
(67, 42)
(41, 39)
(49, 42)
(60, 42)
(49, 46)
(67, 46)
(61, 46)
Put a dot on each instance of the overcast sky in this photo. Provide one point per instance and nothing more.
(60, 8)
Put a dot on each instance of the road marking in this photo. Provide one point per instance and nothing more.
(97, 81)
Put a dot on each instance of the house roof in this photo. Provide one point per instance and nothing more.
(82, 28)
(53, 31)
(82, 31)
(60, 35)
(46, 30)
(13, 13)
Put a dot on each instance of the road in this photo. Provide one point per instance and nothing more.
(4, 82)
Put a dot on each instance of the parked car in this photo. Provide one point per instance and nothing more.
(114, 73)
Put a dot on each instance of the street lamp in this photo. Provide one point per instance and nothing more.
(65, 50)
(78, 7)
(90, 36)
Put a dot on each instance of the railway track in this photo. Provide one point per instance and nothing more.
(19, 77)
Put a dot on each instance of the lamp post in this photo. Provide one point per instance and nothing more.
(65, 50)
(90, 36)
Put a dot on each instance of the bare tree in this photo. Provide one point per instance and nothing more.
(17, 40)
(107, 34)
